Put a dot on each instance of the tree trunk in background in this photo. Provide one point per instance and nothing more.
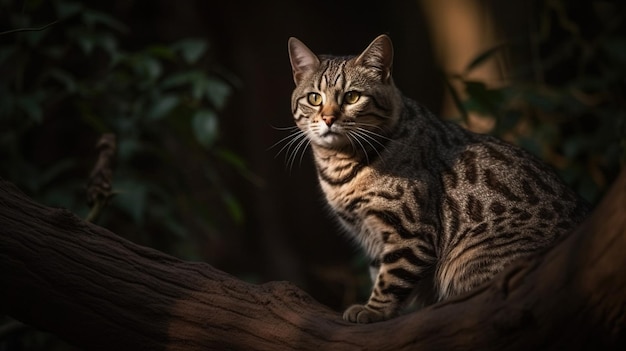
(462, 30)
(101, 292)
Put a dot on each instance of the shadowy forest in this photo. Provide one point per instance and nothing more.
(197, 94)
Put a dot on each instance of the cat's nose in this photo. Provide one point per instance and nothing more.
(329, 119)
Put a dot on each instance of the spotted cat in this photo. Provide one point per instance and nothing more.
(437, 208)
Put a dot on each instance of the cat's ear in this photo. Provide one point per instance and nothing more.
(378, 56)
(302, 59)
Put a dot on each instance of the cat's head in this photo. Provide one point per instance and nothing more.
(344, 102)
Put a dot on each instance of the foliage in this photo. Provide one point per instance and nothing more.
(565, 103)
(66, 80)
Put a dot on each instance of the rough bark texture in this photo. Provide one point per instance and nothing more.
(102, 292)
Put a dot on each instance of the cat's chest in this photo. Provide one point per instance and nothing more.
(344, 198)
(338, 199)
(356, 204)
(351, 203)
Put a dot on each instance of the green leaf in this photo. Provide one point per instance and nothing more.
(163, 106)
(85, 41)
(128, 148)
(231, 158)
(191, 49)
(480, 59)
(217, 92)
(457, 100)
(179, 79)
(146, 67)
(205, 127)
(107, 42)
(199, 86)
(233, 206)
(239, 164)
(153, 67)
(482, 99)
(161, 51)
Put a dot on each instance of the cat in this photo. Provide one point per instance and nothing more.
(438, 209)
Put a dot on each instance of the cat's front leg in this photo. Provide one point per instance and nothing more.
(400, 271)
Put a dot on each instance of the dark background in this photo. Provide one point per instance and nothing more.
(250, 213)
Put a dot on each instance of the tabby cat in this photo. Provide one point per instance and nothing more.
(437, 208)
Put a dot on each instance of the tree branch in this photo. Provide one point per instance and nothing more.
(36, 29)
(101, 292)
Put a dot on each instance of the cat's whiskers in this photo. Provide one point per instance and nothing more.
(290, 140)
(359, 133)
(293, 143)
(285, 128)
(369, 135)
(353, 135)
(292, 157)
(378, 135)
(294, 131)
(372, 136)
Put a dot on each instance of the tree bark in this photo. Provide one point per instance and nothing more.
(101, 292)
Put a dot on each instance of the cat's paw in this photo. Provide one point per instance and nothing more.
(362, 314)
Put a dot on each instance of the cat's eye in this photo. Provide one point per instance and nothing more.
(315, 99)
(351, 97)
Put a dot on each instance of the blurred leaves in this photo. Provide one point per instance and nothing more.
(70, 81)
(566, 104)
(191, 49)
(205, 127)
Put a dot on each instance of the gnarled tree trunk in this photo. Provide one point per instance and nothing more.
(101, 292)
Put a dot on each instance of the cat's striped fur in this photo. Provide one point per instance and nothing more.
(438, 209)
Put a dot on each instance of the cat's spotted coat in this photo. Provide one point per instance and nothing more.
(438, 209)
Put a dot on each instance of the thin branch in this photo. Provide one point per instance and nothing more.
(35, 29)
